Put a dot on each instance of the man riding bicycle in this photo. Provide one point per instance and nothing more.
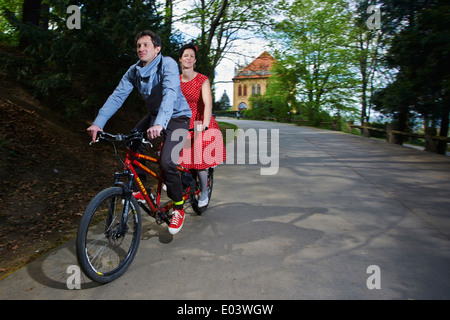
(157, 79)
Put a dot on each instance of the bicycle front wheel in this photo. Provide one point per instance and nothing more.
(108, 235)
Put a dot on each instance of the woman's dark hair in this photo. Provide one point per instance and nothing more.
(156, 40)
(188, 46)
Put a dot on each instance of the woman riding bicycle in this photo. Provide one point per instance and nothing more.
(197, 91)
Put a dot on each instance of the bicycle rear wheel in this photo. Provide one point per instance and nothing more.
(106, 246)
(197, 209)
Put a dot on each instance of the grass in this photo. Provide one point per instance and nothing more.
(223, 127)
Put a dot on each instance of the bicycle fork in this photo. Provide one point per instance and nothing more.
(127, 190)
(159, 215)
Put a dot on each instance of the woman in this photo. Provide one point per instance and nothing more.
(204, 147)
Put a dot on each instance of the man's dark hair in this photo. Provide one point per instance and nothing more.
(156, 39)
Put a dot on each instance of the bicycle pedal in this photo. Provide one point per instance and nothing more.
(158, 218)
(162, 217)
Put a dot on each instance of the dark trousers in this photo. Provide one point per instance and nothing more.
(169, 155)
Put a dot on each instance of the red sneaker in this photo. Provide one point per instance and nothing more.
(138, 196)
(177, 221)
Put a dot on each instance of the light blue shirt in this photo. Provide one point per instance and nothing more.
(159, 85)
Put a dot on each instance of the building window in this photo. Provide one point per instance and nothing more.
(240, 90)
(245, 89)
(242, 106)
(253, 89)
(258, 89)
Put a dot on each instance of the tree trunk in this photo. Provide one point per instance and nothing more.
(31, 11)
(443, 132)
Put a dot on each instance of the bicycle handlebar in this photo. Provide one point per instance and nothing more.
(134, 135)
(138, 135)
(120, 137)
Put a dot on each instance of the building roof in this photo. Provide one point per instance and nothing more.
(259, 68)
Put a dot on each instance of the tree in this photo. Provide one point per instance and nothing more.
(313, 43)
(75, 70)
(368, 47)
(32, 11)
(261, 107)
(420, 30)
(282, 90)
(9, 34)
(223, 103)
(220, 23)
(395, 100)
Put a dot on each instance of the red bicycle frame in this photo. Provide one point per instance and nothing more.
(131, 161)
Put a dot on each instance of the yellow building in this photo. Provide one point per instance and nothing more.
(251, 80)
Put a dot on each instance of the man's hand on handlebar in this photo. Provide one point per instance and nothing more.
(93, 132)
(154, 132)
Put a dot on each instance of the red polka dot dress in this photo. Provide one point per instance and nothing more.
(206, 149)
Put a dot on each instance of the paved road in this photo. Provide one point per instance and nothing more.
(337, 204)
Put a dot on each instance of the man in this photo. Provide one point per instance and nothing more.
(158, 81)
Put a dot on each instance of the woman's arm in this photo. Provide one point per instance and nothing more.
(207, 100)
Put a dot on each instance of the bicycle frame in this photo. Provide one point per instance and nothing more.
(156, 210)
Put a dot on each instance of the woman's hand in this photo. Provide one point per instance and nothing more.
(201, 128)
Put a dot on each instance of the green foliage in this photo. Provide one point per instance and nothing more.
(420, 31)
(223, 103)
(7, 34)
(261, 108)
(74, 71)
(315, 74)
